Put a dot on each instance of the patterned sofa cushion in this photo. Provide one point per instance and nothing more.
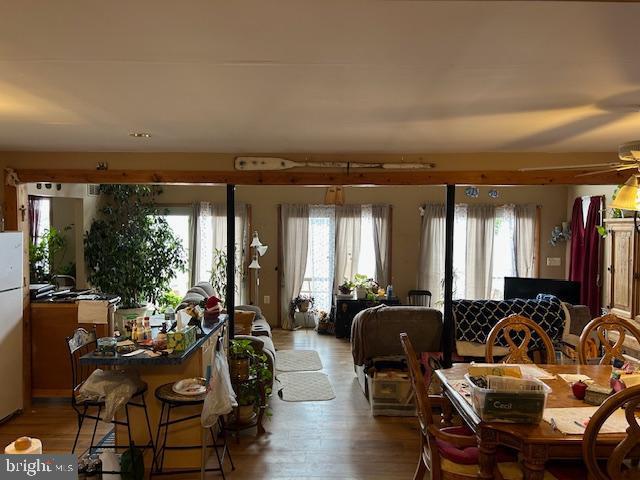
(475, 318)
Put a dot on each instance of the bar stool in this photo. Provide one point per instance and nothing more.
(170, 401)
(80, 343)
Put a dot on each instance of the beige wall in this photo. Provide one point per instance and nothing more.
(264, 203)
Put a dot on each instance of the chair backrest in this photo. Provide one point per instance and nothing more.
(629, 399)
(420, 298)
(80, 343)
(518, 353)
(417, 382)
(601, 326)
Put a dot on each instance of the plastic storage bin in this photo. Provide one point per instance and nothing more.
(502, 404)
(390, 394)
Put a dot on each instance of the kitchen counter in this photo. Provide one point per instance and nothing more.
(141, 359)
(158, 371)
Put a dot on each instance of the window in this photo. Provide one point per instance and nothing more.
(367, 258)
(318, 277)
(321, 257)
(39, 217)
(502, 261)
(180, 219)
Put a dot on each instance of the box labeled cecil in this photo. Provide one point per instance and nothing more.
(509, 400)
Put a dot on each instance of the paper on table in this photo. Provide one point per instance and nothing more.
(530, 370)
(135, 352)
(93, 311)
(462, 388)
(570, 420)
(575, 377)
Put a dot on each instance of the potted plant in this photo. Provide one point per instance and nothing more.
(301, 303)
(251, 373)
(346, 287)
(241, 352)
(130, 249)
(45, 256)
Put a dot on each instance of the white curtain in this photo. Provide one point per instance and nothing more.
(295, 232)
(381, 222)
(212, 234)
(348, 225)
(431, 256)
(321, 255)
(479, 251)
(524, 241)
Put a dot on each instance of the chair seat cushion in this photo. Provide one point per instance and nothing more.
(468, 455)
(141, 390)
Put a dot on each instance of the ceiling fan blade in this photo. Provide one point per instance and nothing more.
(569, 167)
(618, 169)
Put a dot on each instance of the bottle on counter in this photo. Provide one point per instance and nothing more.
(170, 314)
(389, 292)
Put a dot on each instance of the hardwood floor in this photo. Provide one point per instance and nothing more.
(338, 439)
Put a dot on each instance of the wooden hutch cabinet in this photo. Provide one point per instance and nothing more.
(621, 247)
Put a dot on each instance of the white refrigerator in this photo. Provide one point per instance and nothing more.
(11, 283)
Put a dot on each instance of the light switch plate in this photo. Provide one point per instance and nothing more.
(267, 300)
(554, 261)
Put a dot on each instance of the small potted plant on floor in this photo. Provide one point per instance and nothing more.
(302, 303)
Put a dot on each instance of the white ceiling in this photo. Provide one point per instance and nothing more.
(318, 76)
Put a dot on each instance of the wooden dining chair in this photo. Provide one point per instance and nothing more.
(517, 324)
(447, 453)
(618, 465)
(602, 326)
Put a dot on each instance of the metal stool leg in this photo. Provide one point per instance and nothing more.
(126, 412)
(166, 432)
(146, 417)
(215, 449)
(80, 422)
(95, 428)
(154, 464)
(226, 450)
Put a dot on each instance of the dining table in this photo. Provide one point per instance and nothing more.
(536, 443)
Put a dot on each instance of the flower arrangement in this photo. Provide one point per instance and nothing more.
(346, 287)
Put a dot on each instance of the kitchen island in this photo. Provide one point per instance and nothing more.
(157, 371)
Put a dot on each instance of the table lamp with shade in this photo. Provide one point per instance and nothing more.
(258, 251)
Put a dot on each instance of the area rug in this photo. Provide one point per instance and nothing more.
(305, 387)
(298, 360)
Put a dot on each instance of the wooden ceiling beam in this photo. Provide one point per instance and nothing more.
(329, 177)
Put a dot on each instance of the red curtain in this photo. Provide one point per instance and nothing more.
(584, 264)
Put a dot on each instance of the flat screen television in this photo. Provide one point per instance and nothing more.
(565, 290)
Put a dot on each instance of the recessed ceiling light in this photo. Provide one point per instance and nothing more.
(140, 134)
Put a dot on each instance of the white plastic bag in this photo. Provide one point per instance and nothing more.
(220, 398)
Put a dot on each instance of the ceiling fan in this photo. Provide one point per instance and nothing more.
(628, 196)
(628, 153)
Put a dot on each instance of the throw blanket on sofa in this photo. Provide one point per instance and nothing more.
(375, 332)
(475, 318)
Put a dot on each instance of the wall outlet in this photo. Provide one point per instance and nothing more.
(267, 300)
(554, 261)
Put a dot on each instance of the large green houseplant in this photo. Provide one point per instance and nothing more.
(130, 249)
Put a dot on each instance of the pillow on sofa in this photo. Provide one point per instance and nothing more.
(251, 308)
(243, 322)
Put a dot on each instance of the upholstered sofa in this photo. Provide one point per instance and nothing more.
(375, 335)
(260, 329)
(475, 318)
